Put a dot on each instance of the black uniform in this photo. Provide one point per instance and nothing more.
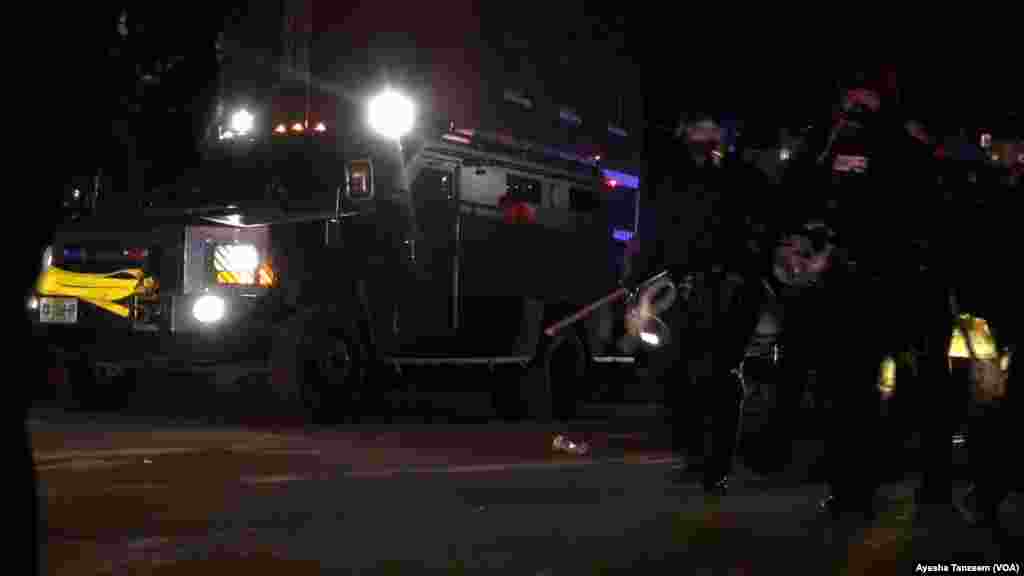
(851, 347)
(927, 330)
(832, 329)
(698, 211)
(716, 325)
(855, 175)
(720, 324)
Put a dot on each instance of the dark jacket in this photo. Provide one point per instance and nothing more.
(696, 224)
(714, 326)
(696, 217)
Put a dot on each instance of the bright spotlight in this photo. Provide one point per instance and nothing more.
(391, 114)
(242, 122)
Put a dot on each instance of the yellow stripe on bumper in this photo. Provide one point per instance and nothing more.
(101, 290)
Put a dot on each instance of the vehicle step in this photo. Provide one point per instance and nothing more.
(437, 360)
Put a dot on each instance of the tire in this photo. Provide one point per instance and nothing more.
(317, 370)
(74, 384)
(330, 387)
(111, 391)
(85, 386)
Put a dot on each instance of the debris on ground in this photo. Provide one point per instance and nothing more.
(563, 444)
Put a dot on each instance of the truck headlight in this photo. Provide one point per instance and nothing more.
(209, 309)
(392, 114)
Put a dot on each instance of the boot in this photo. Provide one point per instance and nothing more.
(979, 510)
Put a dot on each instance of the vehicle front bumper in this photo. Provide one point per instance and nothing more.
(103, 337)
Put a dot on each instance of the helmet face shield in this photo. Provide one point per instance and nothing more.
(803, 255)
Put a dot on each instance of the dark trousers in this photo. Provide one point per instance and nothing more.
(991, 433)
(941, 404)
(709, 406)
(993, 430)
(928, 401)
(997, 475)
(991, 459)
(937, 407)
(853, 438)
(788, 419)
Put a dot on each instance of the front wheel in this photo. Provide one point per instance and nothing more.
(73, 382)
(317, 370)
(81, 383)
(331, 382)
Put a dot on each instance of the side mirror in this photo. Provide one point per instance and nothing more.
(359, 180)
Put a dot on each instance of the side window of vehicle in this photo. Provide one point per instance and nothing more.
(359, 180)
(520, 189)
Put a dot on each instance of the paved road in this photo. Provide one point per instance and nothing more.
(123, 496)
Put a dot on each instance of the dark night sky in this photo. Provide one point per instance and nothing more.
(691, 59)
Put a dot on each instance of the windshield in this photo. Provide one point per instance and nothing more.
(293, 176)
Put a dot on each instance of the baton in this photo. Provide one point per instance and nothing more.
(587, 310)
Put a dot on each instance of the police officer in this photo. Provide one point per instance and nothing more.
(723, 317)
(927, 331)
(804, 252)
(919, 264)
(982, 288)
(852, 165)
(701, 190)
(850, 347)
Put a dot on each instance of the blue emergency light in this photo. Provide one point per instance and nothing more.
(78, 255)
(616, 179)
(622, 235)
(72, 255)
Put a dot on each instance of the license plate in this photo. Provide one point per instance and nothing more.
(58, 310)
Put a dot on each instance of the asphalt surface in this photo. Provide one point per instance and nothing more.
(128, 495)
